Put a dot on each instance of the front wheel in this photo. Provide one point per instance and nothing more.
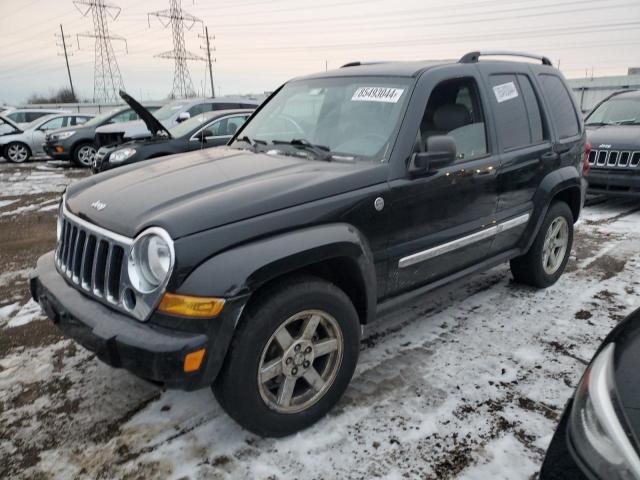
(292, 358)
(17, 152)
(543, 264)
(84, 154)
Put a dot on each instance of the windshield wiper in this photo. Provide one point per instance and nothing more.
(321, 151)
(631, 121)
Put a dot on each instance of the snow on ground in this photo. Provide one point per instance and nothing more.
(468, 382)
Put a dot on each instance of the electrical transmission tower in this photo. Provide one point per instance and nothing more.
(179, 20)
(107, 80)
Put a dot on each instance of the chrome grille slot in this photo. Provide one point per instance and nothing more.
(635, 159)
(592, 157)
(613, 159)
(87, 263)
(624, 159)
(100, 268)
(602, 158)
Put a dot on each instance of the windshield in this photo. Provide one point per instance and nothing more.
(168, 110)
(188, 126)
(615, 111)
(354, 117)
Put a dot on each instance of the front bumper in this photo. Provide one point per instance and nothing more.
(622, 182)
(151, 350)
(56, 150)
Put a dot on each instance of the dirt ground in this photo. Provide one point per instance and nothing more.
(468, 382)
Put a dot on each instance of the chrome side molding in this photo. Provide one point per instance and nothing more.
(462, 242)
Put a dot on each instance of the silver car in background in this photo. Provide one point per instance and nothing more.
(19, 143)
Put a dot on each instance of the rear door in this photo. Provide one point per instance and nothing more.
(442, 222)
(525, 146)
(38, 134)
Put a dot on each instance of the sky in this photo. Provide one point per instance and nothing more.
(259, 44)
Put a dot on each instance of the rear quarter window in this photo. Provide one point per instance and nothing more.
(561, 106)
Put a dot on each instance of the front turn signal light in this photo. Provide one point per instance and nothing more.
(187, 306)
(193, 361)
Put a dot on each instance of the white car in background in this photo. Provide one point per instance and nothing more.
(169, 116)
(19, 143)
(24, 116)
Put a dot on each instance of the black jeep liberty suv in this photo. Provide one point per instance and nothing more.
(251, 268)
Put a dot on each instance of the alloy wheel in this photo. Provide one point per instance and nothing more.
(86, 154)
(300, 361)
(555, 245)
(17, 153)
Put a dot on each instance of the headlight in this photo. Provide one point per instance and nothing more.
(121, 155)
(62, 135)
(595, 429)
(150, 260)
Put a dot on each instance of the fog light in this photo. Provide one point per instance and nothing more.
(186, 306)
(59, 149)
(193, 360)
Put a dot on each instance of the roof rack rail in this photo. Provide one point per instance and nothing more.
(473, 57)
(357, 64)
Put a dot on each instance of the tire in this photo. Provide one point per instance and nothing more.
(537, 267)
(16, 152)
(297, 303)
(83, 154)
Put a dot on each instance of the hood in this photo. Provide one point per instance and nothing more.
(189, 193)
(152, 123)
(134, 127)
(8, 127)
(614, 137)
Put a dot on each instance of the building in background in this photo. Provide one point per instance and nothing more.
(592, 90)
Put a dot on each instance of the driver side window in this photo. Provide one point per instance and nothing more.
(454, 109)
(53, 124)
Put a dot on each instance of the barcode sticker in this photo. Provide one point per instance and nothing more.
(505, 91)
(377, 94)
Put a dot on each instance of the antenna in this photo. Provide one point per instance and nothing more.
(179, 20)
(107, 80)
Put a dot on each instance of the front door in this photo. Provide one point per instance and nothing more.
(443, 221)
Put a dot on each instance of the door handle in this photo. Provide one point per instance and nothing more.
(549, 156)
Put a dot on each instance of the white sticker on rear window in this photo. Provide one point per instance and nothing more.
(377, 94)
(505, 91)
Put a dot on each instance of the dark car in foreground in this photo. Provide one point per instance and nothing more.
(613, 130)
(77, 143)
(251, 268)
(205, 130)
(599, 432)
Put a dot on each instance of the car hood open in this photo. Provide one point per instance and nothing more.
(152, 123)
(189, 193)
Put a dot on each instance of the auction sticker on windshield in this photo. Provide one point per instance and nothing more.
(377, 94)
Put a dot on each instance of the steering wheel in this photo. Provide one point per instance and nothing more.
(293, 123)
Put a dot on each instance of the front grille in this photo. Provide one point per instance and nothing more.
(614, 159)
(105, 139)
(92, 259)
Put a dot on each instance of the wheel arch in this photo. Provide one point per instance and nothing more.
(337, 253)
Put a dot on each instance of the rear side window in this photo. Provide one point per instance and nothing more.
(538, 132)
(200, 108)
(510, 111)
(561, 105)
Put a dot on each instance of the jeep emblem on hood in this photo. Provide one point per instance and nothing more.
(99, 205)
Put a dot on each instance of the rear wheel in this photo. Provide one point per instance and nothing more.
(17, 152)
(545, 262)
(292, 358)
(84, 154)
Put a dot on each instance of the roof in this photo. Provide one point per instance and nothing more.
(383, 69)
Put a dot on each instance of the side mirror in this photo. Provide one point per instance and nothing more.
(441, 151)
(182, 116)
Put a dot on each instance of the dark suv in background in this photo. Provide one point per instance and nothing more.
(251, 268)
(613, 130)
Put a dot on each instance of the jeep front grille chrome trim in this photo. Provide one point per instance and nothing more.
(462, 242)
(614, 159)
(94, 261)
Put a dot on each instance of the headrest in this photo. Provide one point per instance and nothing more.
(449, 117)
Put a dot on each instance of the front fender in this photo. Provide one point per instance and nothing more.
(244, 269)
